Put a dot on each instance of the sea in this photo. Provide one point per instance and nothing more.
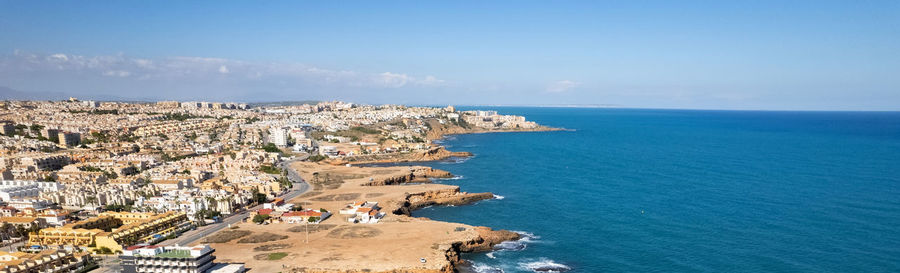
(638, 190)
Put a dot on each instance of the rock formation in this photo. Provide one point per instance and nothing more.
(418, 175)
(446, 197)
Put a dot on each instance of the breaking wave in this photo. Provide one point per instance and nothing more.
(527, 237)
(481, 268)
(510, 246)
(545, 265)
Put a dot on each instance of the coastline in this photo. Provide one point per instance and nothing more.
(400, 190)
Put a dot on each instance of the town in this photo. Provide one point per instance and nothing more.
(126, 187)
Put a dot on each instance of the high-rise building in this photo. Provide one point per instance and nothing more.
(69, 138)
(278, 136)
(8, 129)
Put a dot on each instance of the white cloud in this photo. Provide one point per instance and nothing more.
(562, 86)
(58, 57)
(200, 69)
(431, 81)
(392, 80)
(116, 73)
(143, 63)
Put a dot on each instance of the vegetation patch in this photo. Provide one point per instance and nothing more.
(336, 257)
(353, 232)
(271, 247)
(271, 148)
(274, 256)
(225, 236)
(329, 180)
(310, 194)
(269, 169)
(262, 238)
(312, 228)
(317, 158)
(338, 197)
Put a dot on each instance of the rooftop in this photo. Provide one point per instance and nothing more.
(176, 253)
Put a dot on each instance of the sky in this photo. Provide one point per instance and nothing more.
(768, 55)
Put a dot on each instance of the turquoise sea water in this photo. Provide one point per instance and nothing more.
(686, 191)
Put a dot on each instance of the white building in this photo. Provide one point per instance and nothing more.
(328, 150)
(278, 136)
(149, 258)
(17, 189)
(363, 212)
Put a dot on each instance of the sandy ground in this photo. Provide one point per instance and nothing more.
(397, 242)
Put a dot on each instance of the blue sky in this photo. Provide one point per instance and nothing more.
(826, 55)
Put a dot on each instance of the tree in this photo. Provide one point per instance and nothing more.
(271, 148)
(312, 219)
(261, 198)
(36, 128)
(259, 218)
(104, 250)
(258, 197)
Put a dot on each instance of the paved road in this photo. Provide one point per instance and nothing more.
(187, 238)
(108, 264)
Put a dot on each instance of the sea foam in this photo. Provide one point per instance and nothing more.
(482, 268)
(544, 265)
(527, 237)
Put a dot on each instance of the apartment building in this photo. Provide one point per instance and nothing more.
(278, 136)
(47, 261)
(69, 138)
(48, 162)
(92, 232)
(17, 189)
(151, 258)
(8, 128)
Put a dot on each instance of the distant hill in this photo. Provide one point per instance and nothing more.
(7, 93)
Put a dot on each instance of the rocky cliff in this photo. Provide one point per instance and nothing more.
(486, 240)
(432, 154)
(418, 175)
(436, 153)
(446, 197)
(439, 131)
(447, 269)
